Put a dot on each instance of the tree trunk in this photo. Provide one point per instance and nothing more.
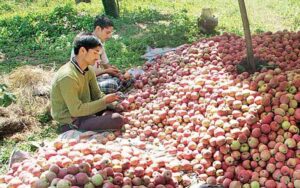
(111, 8)
(85, 1)
(247, 33)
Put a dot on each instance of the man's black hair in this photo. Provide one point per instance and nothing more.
(86, 40)
(103, 21)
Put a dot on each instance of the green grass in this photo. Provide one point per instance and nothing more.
(34, 32)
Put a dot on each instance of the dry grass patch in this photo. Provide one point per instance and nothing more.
(31, 86)
(13, 120)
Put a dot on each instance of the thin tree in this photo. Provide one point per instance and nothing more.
(247, 33)
(111, 7)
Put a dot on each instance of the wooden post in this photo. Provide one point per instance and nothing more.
(111, 8)
(247, 33)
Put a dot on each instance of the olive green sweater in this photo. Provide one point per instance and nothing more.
(74, 94)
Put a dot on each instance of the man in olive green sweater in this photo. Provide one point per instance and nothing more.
(75, 95)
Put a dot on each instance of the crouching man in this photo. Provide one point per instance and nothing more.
(75, 96)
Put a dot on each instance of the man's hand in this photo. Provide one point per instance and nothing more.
(112, 71)
(111, 98)
(127, 76)
(119, 108)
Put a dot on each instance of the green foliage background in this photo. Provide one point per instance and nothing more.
(41, 31)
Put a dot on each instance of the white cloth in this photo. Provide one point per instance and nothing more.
(151, 53)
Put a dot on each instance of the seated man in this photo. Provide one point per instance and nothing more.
(75, 96)
(109, 78)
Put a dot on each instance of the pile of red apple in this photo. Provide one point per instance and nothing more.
(191, 119)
